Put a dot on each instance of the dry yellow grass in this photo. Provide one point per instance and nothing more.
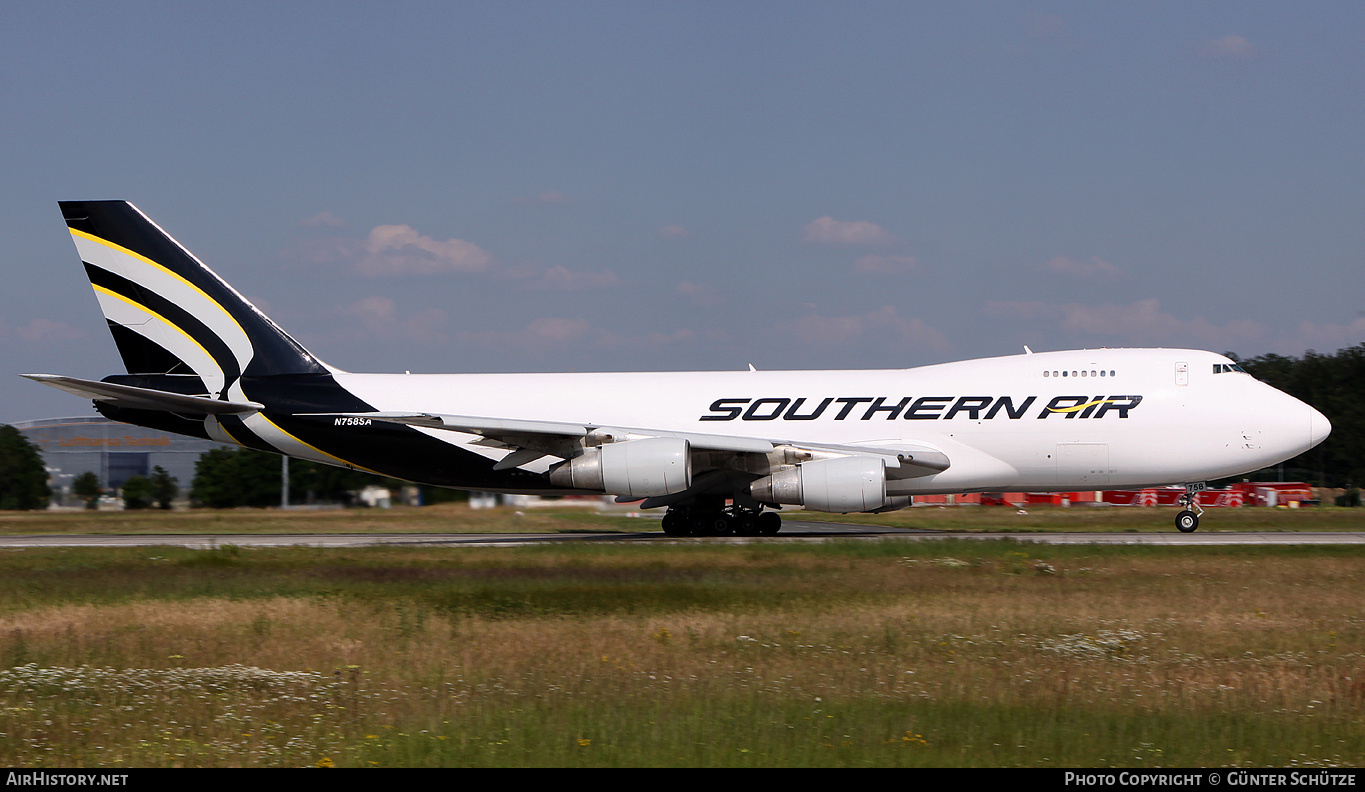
(1004, 658)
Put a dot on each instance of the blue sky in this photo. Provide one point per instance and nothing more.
(528, 186)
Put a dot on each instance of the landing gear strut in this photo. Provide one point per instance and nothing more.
(1187, 521)
(720, 520)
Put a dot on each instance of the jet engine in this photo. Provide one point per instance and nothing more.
(634, 468)
(844, 484)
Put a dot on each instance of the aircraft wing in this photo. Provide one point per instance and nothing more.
(531, 440)
(145, 398)
(921, 459)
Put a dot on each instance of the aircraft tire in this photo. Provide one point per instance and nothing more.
(708, 524)
(769, 523)
(1187, 521)
(746, 525)
(674, 524)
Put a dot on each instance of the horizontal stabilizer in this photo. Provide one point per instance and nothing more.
(145, 398)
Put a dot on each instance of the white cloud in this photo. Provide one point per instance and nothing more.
(701, 293)
(1230, 46)
(1141, 323)
(652, 340)
(46, 330)
(392, 250)
(322, 219)
(374, 312)
(554, 330)
(395, 250)
(559, 278)
(325, 250)
(828, 231)
(824, 329)
(885, 321)
(1091, 268)
(378, 315)
(400, 250)
(549, 198)
(886, 265)
(547, 332)
(1324, 338)
(555, 335)
(912, 330)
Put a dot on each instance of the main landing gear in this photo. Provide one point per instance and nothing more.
(701, 520)
(1187, 521)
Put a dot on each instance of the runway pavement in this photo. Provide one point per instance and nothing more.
(792, 531)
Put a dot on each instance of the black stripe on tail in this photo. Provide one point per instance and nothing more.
(120, 223)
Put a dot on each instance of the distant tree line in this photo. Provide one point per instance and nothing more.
(144, 492)
(23, 478)
(226, 478)
(87, 487)
(1335, 385)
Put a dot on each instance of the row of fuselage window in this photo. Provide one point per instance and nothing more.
(1091, 373)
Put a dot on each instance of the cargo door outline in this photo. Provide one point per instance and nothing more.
(1084, 462)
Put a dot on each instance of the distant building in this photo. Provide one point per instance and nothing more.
(112, 450)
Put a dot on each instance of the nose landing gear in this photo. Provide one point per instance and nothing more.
(1187, 521)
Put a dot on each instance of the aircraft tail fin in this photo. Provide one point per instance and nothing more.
(168, 312)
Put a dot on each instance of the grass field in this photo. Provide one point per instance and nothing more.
(446, 518)
(846, 653)
(458, 518)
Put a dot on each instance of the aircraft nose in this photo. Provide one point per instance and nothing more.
(1318, 427)
(1292, 426)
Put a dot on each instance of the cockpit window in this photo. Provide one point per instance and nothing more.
(1225, 368)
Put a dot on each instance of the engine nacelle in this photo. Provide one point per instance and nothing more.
(845, 484)
(635, 468)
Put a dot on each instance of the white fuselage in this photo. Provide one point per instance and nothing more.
(1091, 419)
(201, 359)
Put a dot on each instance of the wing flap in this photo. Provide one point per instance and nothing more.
(514, 432)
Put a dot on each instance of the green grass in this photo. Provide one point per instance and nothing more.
(845, 653)
(1105, 519)
(446, 518)
(457, 518)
